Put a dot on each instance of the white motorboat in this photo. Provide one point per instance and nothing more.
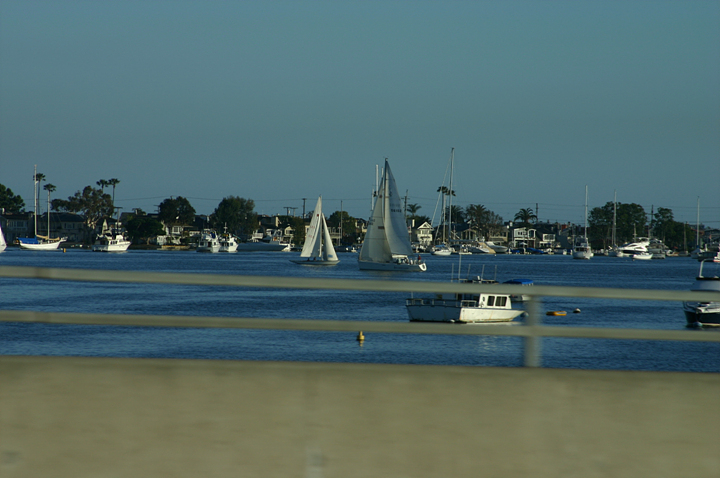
(642, 256)
(581, 247)
(639, 245)
(463, 308)
(481, 248)
(387, 242)
(704, 313)
(497, 248)
(209, 242)
(318, 249)
(228, 243)
(111, 241)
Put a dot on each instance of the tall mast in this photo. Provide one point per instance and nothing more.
(452, 166)
(35, 181)
(614, 219)
(586, 197)
(697, 227)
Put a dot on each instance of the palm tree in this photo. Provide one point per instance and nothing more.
(49, 188)
(113, 182)
(38, 178)
(525, 216)
(103, 184)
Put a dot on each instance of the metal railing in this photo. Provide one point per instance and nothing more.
(532, 331)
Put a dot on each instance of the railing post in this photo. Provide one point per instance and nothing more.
(533, 345)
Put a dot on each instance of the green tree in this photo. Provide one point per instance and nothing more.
(482, 219)
(177, 211)
(525, 217)
(631, 221)
(144, 228)
(9, 201)
(237, 213)
(349, 232)
(90, 202)
(600, 222)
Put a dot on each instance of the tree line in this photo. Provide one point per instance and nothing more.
(237, 216)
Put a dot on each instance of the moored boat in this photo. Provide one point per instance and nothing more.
(208, 242)
(111, 241)
(463, 308)
(704, 313)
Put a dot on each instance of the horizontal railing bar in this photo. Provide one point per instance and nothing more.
(91, 275)
(352, 326)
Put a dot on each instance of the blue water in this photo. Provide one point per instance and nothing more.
(70, 340)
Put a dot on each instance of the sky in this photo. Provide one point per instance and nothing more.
(283, 101)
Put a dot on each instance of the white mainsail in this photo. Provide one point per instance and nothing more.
(387, 243)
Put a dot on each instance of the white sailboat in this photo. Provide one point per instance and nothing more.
(3, 244)
(318, 249)
(581, 248)
(387, 244)
(40, 243)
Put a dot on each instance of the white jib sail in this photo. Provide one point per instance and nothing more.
(313, 241)
(328, 251)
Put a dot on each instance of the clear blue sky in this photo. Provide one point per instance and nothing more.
(284, 100)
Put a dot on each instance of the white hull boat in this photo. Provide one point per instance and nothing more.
(387, 243)
(704, 313)
(111, 243)
(463, 308)
(642, 256)
(209, 242)
(3, 244)
(441, 250)
(582, 250)
(228, 243)
(318, 249)
(38, 243)
(581, 247)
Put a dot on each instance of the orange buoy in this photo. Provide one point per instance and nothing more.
(556, 312)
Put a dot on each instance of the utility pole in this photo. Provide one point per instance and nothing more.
(287, 209)
(304, 207)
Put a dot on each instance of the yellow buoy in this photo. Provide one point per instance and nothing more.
(556, 312)
(360, 336)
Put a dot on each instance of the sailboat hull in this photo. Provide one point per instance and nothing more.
(391, 266)
(47, 246)
(310, 262)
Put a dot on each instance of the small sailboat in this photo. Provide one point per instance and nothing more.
(581, 248)
(40, 243)
(318, 249)
(387, 243)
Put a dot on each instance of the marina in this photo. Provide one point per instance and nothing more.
(677, 274)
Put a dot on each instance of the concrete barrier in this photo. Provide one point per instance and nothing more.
(105, 417)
